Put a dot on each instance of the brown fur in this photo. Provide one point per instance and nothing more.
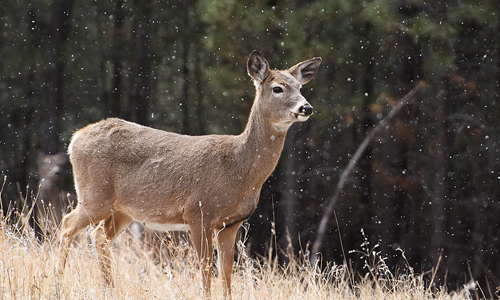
(124, 171)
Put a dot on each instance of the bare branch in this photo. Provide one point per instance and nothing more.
(325, 220)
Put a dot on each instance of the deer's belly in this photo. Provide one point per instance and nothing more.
(167, 226)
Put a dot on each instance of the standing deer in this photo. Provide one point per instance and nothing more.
(52, 202)
(124, 172)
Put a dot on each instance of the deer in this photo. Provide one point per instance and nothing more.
(208, 184)
(52, 203)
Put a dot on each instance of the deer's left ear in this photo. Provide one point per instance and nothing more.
(257, 67)
(305, 70)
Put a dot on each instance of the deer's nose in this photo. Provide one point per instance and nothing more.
(306, 110)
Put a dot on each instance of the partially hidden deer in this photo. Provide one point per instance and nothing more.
(207, 184)
(52, 203)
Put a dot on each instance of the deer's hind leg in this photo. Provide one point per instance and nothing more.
(105, 234)
(71, 224)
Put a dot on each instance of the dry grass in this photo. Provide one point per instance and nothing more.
(28, 271)
(169, 270)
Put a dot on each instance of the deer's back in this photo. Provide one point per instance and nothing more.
(133, 164)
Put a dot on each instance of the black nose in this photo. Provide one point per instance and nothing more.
(306, 110)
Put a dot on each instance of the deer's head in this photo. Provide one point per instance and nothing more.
(50, 166)
(278, 91)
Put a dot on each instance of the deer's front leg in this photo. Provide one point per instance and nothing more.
(201, 237)
(225, 242)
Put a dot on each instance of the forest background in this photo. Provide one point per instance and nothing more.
(428, 184)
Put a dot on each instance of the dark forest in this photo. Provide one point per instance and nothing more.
(427, 185)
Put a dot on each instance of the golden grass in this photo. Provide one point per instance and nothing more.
(28, 271)
(169, 270)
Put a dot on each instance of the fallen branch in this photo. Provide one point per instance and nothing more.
(325, 220)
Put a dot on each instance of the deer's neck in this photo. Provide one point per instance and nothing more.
(48, 190)
(261, 146)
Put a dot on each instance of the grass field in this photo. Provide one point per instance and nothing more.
(28, 271)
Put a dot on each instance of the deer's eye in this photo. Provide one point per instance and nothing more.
(277, 89)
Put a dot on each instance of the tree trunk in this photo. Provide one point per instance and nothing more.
(186, 83)
(291, 154)
(116, 92)
(140, 93)
(367, 123)
(440, 173)
(198, 77)
(396, 227)
(61, 12)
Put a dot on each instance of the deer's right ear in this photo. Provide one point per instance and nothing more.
(257, 67)
(40, 155)
(62, 158)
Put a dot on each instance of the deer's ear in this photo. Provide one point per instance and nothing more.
(257, 67)
(40, 155)
(305, 70)
(61, 157)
